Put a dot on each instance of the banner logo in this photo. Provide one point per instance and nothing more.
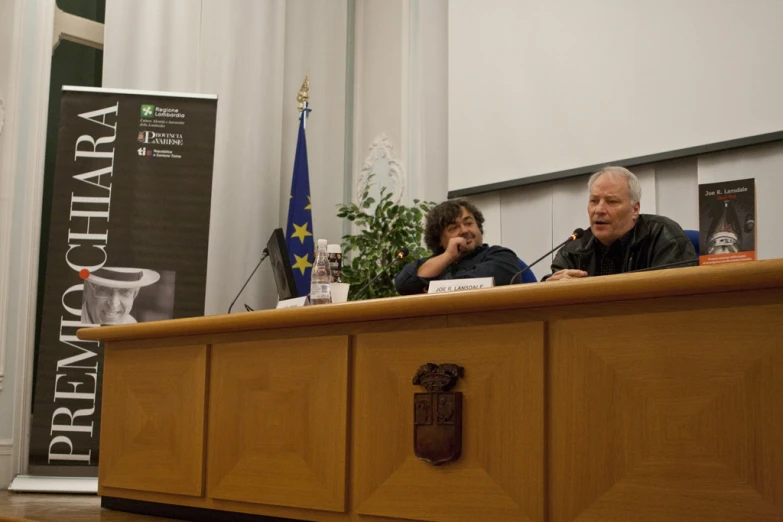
(161, 138)
(147, 111)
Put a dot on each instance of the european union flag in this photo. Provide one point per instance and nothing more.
(299, 234)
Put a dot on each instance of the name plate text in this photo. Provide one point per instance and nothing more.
(456, 285)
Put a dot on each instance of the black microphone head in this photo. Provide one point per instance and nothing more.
(579, 232)
(403, 252)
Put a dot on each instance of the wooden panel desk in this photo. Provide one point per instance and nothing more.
(654, 396)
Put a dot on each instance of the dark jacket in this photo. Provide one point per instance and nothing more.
(655, 241)
(486, 261)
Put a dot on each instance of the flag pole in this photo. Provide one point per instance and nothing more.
(302, 96)
(299, 230)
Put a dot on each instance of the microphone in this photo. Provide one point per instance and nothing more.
(573, 237)
(263, 256)
(670, 265)
(402, 254)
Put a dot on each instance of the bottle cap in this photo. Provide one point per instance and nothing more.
(321, 243)
(334, 249)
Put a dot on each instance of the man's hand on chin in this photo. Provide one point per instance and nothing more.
(455, 247)
(434, 266)
(567, 273)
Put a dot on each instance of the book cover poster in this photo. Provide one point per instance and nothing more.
(128, 239)
(727, 222)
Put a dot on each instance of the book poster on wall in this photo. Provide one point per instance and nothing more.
(727, 222)
(128, 239)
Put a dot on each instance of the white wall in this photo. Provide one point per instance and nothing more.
(677, 192)
(541, 87)
(526, 222)
(428, 106)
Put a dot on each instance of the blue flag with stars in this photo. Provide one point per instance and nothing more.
(299, 233)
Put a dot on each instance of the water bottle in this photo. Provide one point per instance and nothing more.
(320, 276)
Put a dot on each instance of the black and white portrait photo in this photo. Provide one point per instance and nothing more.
(114, 295)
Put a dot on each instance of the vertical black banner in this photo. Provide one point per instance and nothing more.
(128, 243)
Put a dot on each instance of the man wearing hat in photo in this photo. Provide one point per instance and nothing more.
(109, 294)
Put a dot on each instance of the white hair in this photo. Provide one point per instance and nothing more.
(634, 187)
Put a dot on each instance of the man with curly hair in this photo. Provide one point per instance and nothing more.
(454, 235)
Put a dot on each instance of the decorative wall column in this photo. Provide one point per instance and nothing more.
(400, 97)
(27, 28)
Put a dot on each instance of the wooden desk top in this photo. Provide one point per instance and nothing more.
(713, 279)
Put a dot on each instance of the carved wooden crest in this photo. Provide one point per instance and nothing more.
(437, 415)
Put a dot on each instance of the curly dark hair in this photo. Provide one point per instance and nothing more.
(442, 216)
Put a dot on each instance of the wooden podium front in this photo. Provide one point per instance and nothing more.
(653, 396)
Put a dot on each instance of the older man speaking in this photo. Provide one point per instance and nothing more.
(621, 239)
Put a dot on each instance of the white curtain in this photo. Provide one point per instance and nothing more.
(253, 54)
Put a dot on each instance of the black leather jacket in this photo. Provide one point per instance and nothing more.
(656, 241)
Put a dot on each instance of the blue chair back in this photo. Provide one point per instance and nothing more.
(529, 276)
(693, 235)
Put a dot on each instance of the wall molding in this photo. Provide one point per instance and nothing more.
(76, 29)
(382, 151)
(7, 148)
(6, 459)
(26, 127)
(629, 163)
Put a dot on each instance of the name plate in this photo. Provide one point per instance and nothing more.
(292, 303)
(456, 285)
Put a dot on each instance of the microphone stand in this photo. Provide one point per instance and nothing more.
(399, 257)
(687, 262)
(263, 256)
(531, 265)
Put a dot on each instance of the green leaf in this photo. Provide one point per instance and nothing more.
(379, 234)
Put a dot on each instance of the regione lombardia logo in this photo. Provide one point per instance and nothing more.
(147, 111)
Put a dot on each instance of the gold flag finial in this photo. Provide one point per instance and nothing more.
(302, 96)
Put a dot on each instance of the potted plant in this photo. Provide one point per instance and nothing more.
(383, 232)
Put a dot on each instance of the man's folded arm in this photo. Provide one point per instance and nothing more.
(408, 282)
(500, 263)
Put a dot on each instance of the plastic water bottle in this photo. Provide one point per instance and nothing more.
(321, 276)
